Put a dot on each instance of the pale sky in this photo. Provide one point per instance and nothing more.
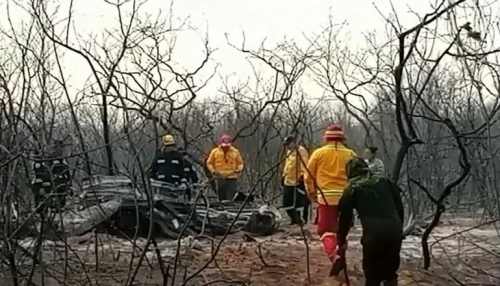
(272, 20)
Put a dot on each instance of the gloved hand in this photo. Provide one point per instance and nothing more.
(339, 263)
(182, 186)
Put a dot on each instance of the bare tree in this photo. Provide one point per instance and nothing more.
(429, 97)
(419, 94)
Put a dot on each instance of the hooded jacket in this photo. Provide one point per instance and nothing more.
(376, 199)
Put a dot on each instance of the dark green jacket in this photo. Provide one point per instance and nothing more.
(377, 200)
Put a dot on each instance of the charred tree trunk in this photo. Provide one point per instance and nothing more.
(105, 126)
(440, 208)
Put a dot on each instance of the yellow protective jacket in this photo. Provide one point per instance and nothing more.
(326, 177)
(295, 165)
(226, 164)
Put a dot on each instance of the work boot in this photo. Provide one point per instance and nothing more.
(296, 222)
(338, 265)
(339, 271)
(392, 282)
(294, 217)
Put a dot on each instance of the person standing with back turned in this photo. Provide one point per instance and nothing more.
(325, 180)
(378, 202)
(168, 164)
(225, 163)
(294, 195)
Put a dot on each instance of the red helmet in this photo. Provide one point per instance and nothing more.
(225, 140)
(334, 132)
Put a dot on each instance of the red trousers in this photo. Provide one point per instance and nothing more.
(327, 228)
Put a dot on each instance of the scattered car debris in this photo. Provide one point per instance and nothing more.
(121, 207)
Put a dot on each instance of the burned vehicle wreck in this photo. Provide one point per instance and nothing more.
(123, 207)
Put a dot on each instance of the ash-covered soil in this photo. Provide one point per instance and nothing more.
(463, 254)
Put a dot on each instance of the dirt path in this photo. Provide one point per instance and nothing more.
(281, 259)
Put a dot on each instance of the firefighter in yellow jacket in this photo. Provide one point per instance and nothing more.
(225, 163)
(325, 181)
(294, 194)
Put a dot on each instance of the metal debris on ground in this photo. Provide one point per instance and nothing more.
(122, 206)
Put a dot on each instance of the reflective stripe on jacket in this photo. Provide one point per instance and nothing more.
(168, 167)
(295, 166)
(51, 170)
(227, 164)
(332, 196)
(326, 177)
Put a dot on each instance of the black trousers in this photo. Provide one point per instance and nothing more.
(187, 194)
(294, 197)
(381, 259)
(55, 199)
(305, 212)
(226, 189)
